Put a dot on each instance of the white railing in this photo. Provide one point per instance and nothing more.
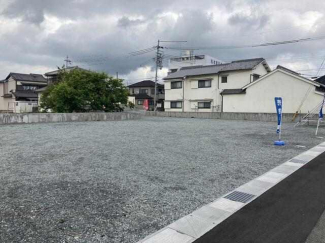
(310, 115)
(22, 106)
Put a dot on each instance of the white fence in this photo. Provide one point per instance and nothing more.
(22, 106)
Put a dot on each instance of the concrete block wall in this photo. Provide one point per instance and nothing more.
(10, 118)
(267, 117)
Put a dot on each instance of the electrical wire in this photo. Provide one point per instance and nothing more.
(250, 46)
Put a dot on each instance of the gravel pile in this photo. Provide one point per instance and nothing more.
(120, 181)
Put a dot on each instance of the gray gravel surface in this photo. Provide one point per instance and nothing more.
(120, 181)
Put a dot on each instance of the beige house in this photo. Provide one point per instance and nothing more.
(18, 92)
(198, 88)
(258, 96)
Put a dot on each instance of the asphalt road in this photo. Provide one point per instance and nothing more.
(121, 181)
(287, 213)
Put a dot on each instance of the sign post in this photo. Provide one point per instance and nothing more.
(278, 105)
(320, 115)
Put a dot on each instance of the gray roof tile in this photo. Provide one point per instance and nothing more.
(145, 83)
(27, 77)
(233, 91)
(247, 64)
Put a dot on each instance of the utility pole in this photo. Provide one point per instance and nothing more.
(67, 62)
(116, 75)
(159, 64)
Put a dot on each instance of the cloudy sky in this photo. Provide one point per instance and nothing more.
(37, 35)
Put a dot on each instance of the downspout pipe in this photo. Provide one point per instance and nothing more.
(183, 93)
(221, 103)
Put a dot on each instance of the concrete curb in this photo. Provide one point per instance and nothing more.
(8, 118)
(193, 226)
(265, 117)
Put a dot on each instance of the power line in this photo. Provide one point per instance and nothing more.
(143, 51)
(320, 68)
(250, 46)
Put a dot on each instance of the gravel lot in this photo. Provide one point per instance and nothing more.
(120, 181)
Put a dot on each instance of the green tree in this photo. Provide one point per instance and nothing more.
(84, 91)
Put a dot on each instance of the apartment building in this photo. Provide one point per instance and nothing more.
(199, 88)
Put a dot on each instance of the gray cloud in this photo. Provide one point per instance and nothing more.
(249, 21)
(100, 34)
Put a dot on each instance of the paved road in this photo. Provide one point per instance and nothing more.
(287, 213)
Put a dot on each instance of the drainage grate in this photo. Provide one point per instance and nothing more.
(239, 196)
(299, 161)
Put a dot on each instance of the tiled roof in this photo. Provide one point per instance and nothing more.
(247, 64)
(145, 83)
(232, 91)
(27, 77)
(25, 94)
(56, 72)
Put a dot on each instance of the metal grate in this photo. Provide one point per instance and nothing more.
(240, 196)
(298, 161)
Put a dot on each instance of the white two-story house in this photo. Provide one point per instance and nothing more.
(199, 88)
(18, 92)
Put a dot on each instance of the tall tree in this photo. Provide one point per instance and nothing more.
(84, 91)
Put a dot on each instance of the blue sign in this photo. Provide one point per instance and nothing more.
(321, 115)
(278, 105)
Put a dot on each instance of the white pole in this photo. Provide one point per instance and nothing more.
(280, 125)
(317, 126)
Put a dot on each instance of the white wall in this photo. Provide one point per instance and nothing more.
(260, 96)
(193, 94)
(4, 101)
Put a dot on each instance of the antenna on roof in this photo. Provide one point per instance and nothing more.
(67, 62)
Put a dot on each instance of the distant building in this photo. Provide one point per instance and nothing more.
(145, 90)
(52, 76)
(199, 88)
(189, 59)
(18, 92)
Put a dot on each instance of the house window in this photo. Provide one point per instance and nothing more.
(176, 104)
(204, 105)
(152, 91)
(33, 88)
(140, 102)
(224, 79)
(151, 102)
(255, 77)
(176, 85)
(204, 83)
(143, 91)
(132, 91)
